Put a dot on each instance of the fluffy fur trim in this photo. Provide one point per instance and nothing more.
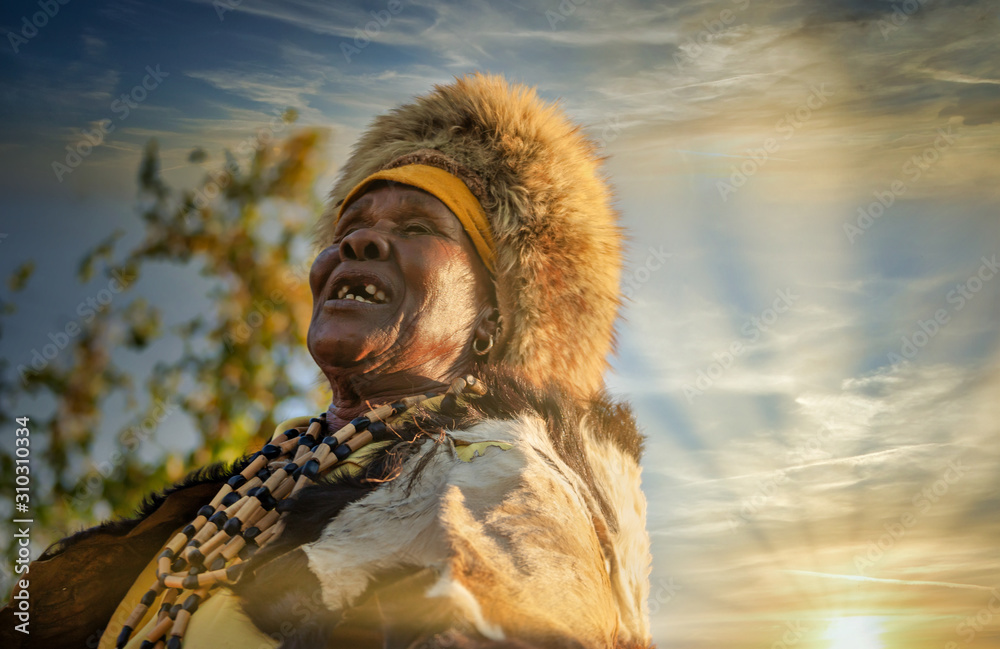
(539, 544)
(539, 181)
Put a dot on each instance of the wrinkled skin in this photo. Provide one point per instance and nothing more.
(438, 298)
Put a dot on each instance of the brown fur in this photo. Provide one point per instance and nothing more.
(539, 181)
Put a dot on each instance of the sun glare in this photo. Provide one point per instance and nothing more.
(855, 633)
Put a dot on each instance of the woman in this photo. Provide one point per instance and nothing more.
(468, 485)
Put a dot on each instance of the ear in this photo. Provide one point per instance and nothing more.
(488, 324)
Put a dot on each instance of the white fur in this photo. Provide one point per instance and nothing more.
(521, 547)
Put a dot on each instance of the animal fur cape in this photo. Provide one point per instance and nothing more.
(535, 540)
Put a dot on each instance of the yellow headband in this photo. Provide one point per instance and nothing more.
(447, 188)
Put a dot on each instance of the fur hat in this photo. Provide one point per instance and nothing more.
(559, 248)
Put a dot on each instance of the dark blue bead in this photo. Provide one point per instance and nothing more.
(191, 603)
(270, 451)
(330, 441)
(232, 526)
(360, 423)
(251, 533)
(148, 598)
(195, 558)
(123, 637)
(342, 451)
(236, 482)
(218, 519)
(230, 498)
(377, 428)
(311, 469)
(398, 407)
(290, 468)
(291, 432)
(206, 511)
(267, 501)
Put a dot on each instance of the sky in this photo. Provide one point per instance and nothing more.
(811, 336)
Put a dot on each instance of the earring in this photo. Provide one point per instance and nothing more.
(482, 351)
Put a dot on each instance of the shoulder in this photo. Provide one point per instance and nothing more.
(78, 581)
(502, 502)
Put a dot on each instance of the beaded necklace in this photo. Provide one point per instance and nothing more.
(246, 514)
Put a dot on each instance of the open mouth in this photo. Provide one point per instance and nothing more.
(367, 290)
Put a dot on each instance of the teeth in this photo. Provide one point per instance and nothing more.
(375, 296)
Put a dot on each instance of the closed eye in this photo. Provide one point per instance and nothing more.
(418, 228)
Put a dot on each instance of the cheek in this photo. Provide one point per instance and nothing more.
(444, 285)
(321, 270)
(454, 277)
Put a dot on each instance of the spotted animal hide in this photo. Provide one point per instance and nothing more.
(536, 538)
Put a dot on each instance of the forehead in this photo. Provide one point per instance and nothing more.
(392, 198)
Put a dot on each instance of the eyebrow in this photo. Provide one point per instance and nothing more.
(363, 205)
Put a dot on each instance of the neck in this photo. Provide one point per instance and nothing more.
(356, 394)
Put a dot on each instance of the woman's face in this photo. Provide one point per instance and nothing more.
(420, 282)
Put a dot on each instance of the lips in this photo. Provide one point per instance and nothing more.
(360, 287)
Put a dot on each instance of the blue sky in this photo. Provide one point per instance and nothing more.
(814, 184)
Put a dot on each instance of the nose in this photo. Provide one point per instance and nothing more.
(364, 244)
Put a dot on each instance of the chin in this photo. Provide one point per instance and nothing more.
(341, 345)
